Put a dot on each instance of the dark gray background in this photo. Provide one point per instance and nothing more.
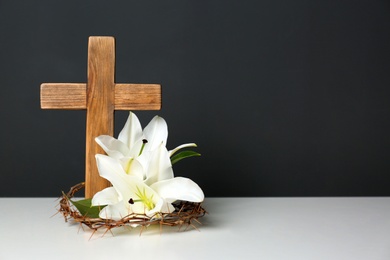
(283, 98)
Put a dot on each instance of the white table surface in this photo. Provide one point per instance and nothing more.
(235, 228)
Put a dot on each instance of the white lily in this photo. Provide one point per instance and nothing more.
(130, 142)
(130, 194)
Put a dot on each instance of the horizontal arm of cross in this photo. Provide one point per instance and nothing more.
(74, 96)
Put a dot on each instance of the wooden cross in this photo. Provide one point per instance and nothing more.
(100, 97)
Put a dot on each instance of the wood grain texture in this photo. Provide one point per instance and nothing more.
(63, 96)
(74, 96)
(100, 106)
(137, 97)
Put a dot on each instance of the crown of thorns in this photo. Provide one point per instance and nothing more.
(185, 214)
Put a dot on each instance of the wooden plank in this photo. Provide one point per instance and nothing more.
(74, 96)
(138, 97)
(100, 106)
(63, 96)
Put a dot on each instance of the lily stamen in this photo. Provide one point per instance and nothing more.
(144, 141)
(131, 201)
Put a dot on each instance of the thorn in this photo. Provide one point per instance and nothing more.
(108, 229)
(92, 234)
(181, 209)
(80, 227)
(194, 227)
(142, 228)
(54, 214)
(187, 227)
(200, 223)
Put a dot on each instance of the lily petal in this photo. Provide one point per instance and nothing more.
(105, 197)
(162, 206)
(145, 198)
(173, 151)
(113, 147)
(131, 132)
(160, 167)
(115, 211)
(135, 150)
(179, 188)
(111, 169)
(156, 132)
(133, 167)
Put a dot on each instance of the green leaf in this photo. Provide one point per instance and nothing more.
(86, 209)
(182, 155)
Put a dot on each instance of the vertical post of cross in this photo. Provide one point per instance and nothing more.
(100, 105)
